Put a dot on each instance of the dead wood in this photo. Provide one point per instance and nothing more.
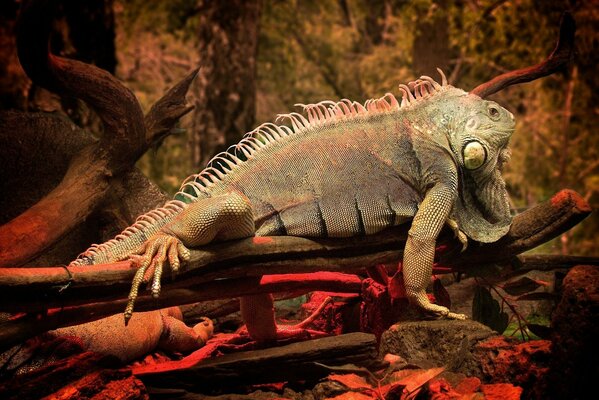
(286, 363)
(90, 172)
(560, 56)
(225, 270)
(14, 331)
(35, 288)
(36, 150)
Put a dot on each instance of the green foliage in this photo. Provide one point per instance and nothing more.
(514, 329)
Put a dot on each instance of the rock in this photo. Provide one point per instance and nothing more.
(438, 343)
(520, 363)
(501, 391)
(573, 369)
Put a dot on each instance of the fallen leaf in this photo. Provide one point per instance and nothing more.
(352, 381)
(351, 396)
(418, 379)
(486, 310)
(522, 285)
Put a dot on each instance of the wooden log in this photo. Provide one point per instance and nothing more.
(296, 361)
(27, 289)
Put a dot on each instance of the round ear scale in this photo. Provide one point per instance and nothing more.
(474, 155)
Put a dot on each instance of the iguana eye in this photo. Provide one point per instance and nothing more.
(474, 155)
(494, 113)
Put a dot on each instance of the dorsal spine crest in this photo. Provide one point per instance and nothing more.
(316, 115)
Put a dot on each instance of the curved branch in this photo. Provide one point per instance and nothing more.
(91, 171)
(117, 106)
(559, 57)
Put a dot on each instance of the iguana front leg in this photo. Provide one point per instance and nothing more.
(419, 252)
(223, 217)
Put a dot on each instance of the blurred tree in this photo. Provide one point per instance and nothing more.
(226, 86)
(14, 84)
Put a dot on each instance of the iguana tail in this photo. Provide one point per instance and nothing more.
(131, 238)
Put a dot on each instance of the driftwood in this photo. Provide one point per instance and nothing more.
(127, 135)
(296, 361)
(224, 270)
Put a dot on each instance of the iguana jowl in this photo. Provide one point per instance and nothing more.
(341, 169)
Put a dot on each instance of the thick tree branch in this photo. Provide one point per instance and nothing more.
(559, 57)
(28, 289)
(223, 270)
(91, 171)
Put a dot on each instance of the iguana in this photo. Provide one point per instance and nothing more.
(340, 169)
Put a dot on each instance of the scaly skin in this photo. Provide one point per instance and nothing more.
(343, 170)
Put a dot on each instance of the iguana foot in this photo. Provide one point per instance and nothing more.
(453, 224)
(421, 300)
(150, 258)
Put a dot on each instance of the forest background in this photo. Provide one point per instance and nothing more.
(260, 57)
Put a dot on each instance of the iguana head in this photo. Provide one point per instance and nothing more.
(478, 138)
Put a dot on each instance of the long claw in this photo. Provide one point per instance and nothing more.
(184, 252)
(173, 258)
(157, 276)
(137, 280)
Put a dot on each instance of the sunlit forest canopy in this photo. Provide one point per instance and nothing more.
(292, 51)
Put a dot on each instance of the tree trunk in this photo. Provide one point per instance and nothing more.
(431, 48)
(226, 87)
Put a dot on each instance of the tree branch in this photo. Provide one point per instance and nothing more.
(559, 57)
(231, 269)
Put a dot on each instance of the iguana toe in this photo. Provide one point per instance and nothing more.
(453, 224)
(452, 315)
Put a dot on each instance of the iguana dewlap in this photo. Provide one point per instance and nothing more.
(341, 169)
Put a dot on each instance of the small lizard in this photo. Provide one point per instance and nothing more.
(340, 169)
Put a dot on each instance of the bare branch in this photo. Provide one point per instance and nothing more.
(14, 331)
(559, 57)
